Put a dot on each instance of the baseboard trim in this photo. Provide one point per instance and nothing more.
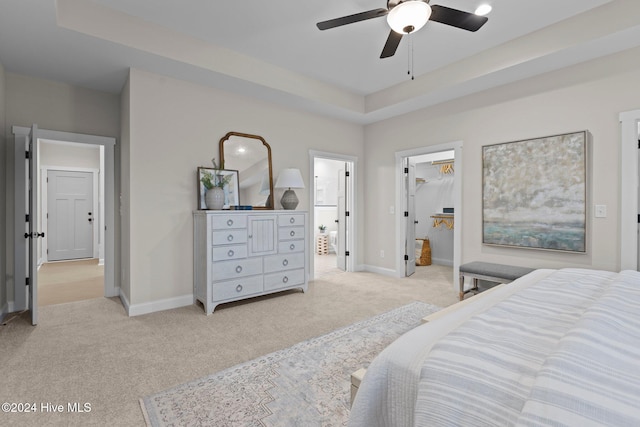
(159, 305)
(125, 302)
(380, 270)
(441, 261)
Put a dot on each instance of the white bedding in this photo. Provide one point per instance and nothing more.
(552, 348)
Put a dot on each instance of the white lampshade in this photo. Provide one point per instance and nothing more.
(290, 178)
(409, 16)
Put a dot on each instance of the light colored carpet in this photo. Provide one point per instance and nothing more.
(303, 385)
(90, 351)
(68, 281)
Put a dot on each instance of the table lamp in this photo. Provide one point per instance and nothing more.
(289, 178)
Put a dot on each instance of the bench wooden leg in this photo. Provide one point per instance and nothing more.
(461, 286)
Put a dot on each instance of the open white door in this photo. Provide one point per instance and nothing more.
(26, 222)
(341, 259)
(410, 217)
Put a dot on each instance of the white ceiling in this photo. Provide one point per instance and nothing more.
(272, 49)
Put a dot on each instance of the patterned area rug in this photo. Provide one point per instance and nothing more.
(304, 385)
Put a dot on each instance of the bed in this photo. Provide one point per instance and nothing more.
(555, 347)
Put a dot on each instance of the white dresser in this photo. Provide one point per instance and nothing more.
(243, 254)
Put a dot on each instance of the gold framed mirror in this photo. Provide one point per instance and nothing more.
(250, 155)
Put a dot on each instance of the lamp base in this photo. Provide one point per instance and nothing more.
(289, 200)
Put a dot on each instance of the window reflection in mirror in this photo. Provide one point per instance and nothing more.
(250, 155)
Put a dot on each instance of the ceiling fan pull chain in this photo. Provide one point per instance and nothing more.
(410, 56)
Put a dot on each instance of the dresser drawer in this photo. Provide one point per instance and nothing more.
(236, 268)
(221, 253)
(291, 246)
(283, 279)
(290, 219)
(290, 233)
(236, 288)
(222, 222)
(283, 262)
(225, 237)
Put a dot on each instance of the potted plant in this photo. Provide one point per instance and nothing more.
(214, 184)
(322, 228)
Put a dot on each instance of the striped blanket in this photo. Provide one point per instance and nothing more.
(564, 351)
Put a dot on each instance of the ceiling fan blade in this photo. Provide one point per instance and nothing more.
(391, 45)
(457, 18)
(362, 16)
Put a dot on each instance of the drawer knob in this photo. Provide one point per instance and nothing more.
(239, 269)
(285, 262)
(292, 220)
(292, 246)
(292, 233)
(231, 253)
(239, 288)
(285, 279)
(230, 222)
(230, 237)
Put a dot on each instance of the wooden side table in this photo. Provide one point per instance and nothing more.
(322, 244)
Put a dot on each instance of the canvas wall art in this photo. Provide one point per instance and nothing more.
(534, 193)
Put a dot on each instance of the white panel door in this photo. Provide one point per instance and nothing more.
(410, 216)
(70, 215)
(341, 259)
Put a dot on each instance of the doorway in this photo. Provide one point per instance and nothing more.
(428, 200)
(70, 267)
(27, 215)
(332, 212)
(629, 197)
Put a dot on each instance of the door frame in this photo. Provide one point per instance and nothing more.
(628, 236)
(110, 288)
(351, 206)
(401, 202)
(44, 198)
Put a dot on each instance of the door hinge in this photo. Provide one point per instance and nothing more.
(27, 281)
(406, 214)
(347, 172)
(26, 218)
(638, 218)
(406, 257)
(346, 253)
(406, 170)
(346, 213)
(27, 154)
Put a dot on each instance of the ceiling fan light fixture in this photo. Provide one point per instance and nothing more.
(483, 9)
(409, 16)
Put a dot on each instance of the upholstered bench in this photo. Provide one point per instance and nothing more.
(499, 273)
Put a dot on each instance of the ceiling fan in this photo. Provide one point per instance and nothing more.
(408, 16)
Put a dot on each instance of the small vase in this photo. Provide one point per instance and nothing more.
(214, 198)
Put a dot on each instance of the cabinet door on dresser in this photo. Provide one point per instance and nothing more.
(262, 231)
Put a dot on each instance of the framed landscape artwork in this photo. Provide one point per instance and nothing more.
(534, 193)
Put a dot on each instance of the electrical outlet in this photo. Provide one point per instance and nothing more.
(601, 211)
(381, 254)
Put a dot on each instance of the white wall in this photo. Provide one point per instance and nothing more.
(175, 126)
(70, 155)
(588, 96)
